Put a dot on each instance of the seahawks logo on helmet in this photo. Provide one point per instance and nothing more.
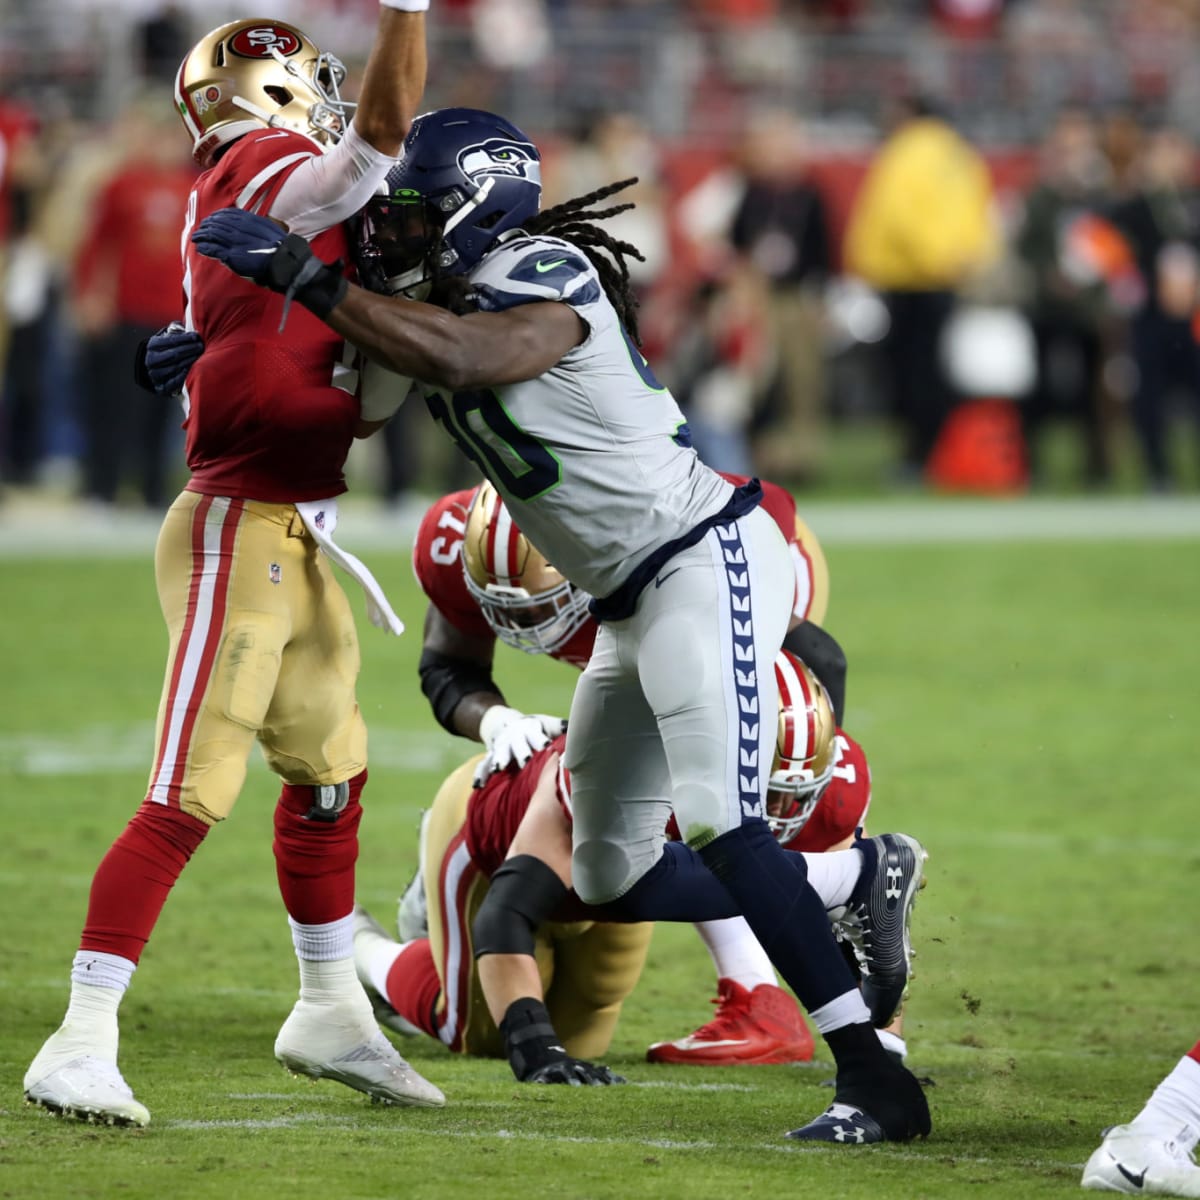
(500, 156)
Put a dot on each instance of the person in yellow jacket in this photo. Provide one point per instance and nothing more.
(921, 225)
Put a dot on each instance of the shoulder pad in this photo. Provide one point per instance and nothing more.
(533, 269)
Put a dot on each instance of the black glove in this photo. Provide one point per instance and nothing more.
(576, 1073)
(164, 359)
(536, 1055)
(258, 249)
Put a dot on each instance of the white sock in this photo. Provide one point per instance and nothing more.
(335, 939)
(376, 958)
(736, 953)
(101, 970)
(1175, 1102)
(833, 875)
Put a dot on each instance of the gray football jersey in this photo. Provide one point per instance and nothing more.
(593, 458)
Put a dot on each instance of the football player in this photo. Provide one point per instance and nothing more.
(495, 973)
(485, 581)
(262, 639)
(1155, 1153)
(526, 353)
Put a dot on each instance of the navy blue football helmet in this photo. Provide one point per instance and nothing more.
(466, 178)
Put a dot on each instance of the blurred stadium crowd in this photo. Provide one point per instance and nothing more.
(964, 220)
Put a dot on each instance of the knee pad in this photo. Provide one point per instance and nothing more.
(601, 871)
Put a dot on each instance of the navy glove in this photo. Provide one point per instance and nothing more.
(166, 357)
(243, 241)
(259, 250)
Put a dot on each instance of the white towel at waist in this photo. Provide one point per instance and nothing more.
(320, 519)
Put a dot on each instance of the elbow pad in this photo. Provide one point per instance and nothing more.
(523, 893)
(824, 657)
(446, 681)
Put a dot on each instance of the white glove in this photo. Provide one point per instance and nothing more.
(512, 737)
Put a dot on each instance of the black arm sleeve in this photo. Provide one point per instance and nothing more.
(821, 654)
(446, 680)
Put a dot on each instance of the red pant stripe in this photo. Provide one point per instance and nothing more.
(214, 530)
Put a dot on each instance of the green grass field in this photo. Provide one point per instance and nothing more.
(1030, 711)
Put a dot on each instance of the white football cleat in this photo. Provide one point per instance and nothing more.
(332, 1041)
(86, 1087)
(1136, 1162)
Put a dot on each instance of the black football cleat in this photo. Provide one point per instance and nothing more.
(843, 1125)
(876, 919)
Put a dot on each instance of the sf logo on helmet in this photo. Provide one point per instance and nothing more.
(259, 41)
(497, 156)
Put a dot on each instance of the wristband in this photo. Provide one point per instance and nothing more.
(405, 5)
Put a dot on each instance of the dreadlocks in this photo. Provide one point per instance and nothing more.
(572, 221)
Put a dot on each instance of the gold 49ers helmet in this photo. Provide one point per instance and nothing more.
(527, 603)
(252, 74)
(805, 748)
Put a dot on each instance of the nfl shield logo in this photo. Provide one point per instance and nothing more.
(275, 573)
(319, 519)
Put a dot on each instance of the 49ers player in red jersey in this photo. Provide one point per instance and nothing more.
(486, 582)
(507, 967)
(262, 639)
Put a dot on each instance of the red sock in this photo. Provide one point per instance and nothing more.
(132, 881)
(413, 986)
(1194, 1052)
(314, 860)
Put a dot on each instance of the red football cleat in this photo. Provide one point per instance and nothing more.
(760, 1026)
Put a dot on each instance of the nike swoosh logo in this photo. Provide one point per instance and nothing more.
(688, 1043)
(266, 137)
(542, 267)
(1137, 1180)
(663, 578)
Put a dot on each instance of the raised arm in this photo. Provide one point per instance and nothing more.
(328, 188)
(394, 80)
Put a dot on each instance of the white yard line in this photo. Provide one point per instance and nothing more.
(457, 1133)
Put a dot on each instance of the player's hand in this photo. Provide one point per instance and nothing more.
(169, 356)
(512, 738)
(243, 241)
(575, 1073)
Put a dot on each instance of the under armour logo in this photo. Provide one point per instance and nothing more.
(892, 889)
(856, 1134)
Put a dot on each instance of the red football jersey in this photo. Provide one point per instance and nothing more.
(265, 418)
(495, 810)
(843, 807)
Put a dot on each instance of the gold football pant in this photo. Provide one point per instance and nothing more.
(263, 647)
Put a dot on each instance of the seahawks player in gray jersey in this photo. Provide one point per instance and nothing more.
(525, 350)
